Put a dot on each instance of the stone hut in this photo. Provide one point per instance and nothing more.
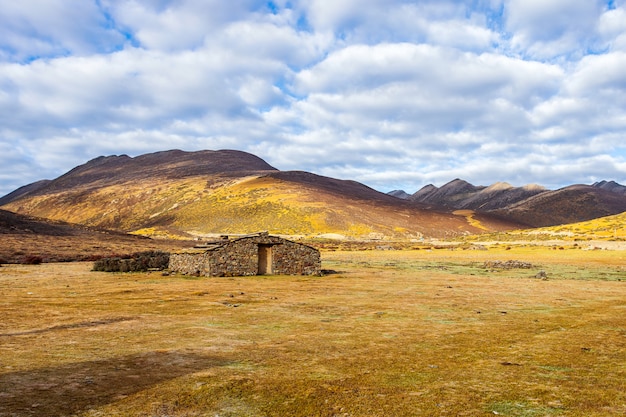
(257, 254)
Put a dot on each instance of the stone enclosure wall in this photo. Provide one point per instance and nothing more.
(240, 257)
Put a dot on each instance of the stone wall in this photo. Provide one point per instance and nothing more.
(292, 258)
(240, 257)
(191, 262)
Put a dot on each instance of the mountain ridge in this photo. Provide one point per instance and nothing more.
(531, 204)
(192, 194)
(169, 164)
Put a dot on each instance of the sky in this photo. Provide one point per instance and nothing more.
(395, 94)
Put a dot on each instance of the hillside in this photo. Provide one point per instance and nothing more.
(605, 228)
(23, 237)
(571, 204)
(190, 194)
(605, 232)
(168, 165)
(23, 191)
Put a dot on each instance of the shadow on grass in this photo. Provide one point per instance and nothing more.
(92, 323)
(78, 387)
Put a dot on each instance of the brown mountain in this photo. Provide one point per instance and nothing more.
(111, 170)
(22, 191)
(184, 194)
(532, 204)
(572, 204)
(459, 194)
(611, 186)
(450, 195)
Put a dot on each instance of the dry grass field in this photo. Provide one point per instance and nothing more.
(389, 333)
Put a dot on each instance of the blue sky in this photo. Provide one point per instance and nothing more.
(395, 94)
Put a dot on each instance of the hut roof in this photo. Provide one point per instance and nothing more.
(226, 240)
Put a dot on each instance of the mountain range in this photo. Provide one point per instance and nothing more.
(531, 204)
(197, 194)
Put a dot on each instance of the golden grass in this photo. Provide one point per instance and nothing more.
(392, 333)
(469, 216)
(127, 207)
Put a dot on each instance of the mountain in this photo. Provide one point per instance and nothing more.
(611, 186)
(111, 170)
(450, 195)
(399, 194)
(22, 191)
(531, 204)
(461, 195)
(193, 194)
(572, 204)
(601, 233)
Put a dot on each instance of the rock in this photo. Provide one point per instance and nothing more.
(507, 265)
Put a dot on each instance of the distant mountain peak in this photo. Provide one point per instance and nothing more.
(399, 194)
(498, 186)
(458, 186)
(457, 182)
(524, 203)
(610, 186)
(533, 187)
(429, 188)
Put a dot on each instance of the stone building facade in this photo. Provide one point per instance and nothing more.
(257, 254)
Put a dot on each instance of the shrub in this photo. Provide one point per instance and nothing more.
(136, 262)
(31, 260)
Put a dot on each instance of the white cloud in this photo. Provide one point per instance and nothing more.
(394, 94)
(45, 28)
(546, 29)
(177, 25)
(443, 23)
(599, 74)
(462, 34)
(417, 92)
(612, 25)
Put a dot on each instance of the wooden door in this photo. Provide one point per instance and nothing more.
(265, 260)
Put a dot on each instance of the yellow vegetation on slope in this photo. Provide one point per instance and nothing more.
(255, 203)
(469, 216)
(609, 228)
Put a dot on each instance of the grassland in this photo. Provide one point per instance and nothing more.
(390, 333)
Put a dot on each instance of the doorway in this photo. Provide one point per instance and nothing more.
(265, 260)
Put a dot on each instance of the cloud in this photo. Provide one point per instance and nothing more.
(394, 94)
(418, 92)
(612, 29)
(177, 25)
(546, 29)
(48, 28)
(443, 23)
